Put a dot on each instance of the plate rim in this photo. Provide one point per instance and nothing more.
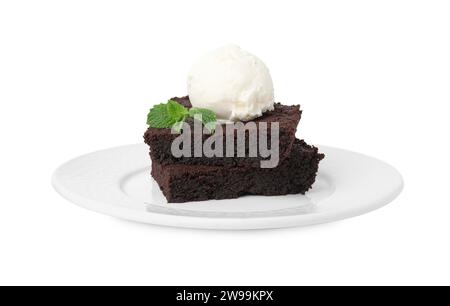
(219, 223)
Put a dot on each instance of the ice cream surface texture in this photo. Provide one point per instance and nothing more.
(231, 82)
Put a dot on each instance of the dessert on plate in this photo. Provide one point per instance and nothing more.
(228, 138)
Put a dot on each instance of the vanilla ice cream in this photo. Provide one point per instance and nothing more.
(231, 82)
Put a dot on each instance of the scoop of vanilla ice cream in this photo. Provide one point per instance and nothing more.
(231, 82)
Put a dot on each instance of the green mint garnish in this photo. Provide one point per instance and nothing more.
(173, 114)
(159, 117)
(177, 111)
(207, 117)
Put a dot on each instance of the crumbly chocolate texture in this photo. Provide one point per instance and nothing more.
(288, 117)
(184, 183)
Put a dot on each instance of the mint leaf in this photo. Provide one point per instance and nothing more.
(159, 117)
(173, 114)
(176, 110)
(164, 115)
(207, 117)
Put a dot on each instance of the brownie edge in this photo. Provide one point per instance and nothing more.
(183, 183)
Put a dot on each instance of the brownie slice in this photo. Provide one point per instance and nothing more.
(288, 117)
(183, 183)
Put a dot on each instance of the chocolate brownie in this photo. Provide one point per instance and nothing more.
(183, 183)
(288, 117)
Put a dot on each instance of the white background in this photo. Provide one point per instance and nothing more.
(79, 76)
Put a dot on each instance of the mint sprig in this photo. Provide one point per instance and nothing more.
(173, 114)
(159, 117)
(207, 117)
(176, 111)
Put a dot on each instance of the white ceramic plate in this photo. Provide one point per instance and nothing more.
(117, 182)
